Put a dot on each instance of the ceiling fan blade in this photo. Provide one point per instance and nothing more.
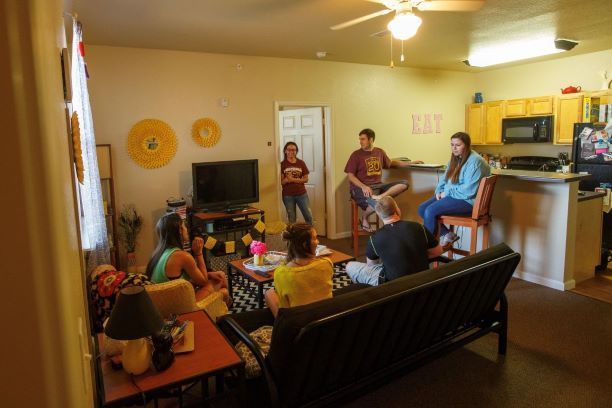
(450, 5)
(360, 19)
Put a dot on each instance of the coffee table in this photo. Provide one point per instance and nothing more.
(213, 355)
(238, 274)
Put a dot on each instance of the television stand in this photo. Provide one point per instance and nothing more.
(235, 208)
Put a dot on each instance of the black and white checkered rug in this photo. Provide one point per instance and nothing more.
(244, 301)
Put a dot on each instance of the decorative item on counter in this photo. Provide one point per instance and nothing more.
(258, 249)
(571, 89)
(478, 97)
(163, 355)
(151, 143)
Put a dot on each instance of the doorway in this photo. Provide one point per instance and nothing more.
(308, 126)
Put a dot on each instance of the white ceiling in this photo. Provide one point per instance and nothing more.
(300, 28)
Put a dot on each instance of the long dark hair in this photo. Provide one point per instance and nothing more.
(457, 162)
(288, 144)
(168, 231)
(298, 237)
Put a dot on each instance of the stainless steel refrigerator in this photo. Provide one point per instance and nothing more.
(592, 154)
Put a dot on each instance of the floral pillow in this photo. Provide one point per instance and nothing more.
(106, 282)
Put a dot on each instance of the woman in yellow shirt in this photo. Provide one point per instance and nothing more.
(305, 278)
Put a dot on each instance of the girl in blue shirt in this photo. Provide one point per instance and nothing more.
(457, 189)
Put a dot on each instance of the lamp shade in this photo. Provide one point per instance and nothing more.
(134, 315)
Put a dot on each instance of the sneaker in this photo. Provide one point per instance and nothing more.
(449, 238)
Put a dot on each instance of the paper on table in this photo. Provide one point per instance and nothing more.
(322, 250)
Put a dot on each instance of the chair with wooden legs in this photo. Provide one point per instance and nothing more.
(480, 216)
(356, 231)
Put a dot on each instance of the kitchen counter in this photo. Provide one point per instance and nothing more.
(538, 214)
(590, 195)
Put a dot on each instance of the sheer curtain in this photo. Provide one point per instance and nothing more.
(93, 223)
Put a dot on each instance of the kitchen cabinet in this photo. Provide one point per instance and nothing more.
(494, 112)
(541, 106)
(516, 107)
(483, 122)
(569, 111)
(105, 167)
(474, 121)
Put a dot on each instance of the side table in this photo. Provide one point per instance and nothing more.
(213, 355)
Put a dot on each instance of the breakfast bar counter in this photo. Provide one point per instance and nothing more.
(538, 214)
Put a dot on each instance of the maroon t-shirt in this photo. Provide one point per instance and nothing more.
(367, 166)
(297, 170)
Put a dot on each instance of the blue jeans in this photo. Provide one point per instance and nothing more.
(431, 209)
(302, 202)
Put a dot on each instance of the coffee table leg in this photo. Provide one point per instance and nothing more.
(229, 280)
(261, 296)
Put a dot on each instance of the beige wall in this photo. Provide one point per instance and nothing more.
(42, 302)
(128, 85)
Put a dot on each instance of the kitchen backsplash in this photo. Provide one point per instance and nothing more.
(525, 149)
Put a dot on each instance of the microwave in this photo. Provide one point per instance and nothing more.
(533, 129)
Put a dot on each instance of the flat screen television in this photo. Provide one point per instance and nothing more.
(225, 185)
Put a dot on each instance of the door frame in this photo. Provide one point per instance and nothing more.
(330, 202)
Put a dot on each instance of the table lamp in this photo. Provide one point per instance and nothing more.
(134, 318)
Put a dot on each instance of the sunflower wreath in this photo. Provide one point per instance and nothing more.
(206, 132)
(76, 147)
(151, 143)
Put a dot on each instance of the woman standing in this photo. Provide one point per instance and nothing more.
(457, 189)
(170, 261)
(294, 174)
(304, 278)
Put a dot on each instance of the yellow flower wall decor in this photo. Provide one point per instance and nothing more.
(76, 147)
(151, 143)
(206, 132)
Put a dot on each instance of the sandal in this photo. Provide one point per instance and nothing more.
(366, 228)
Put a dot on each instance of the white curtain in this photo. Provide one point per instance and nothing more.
(93, 224)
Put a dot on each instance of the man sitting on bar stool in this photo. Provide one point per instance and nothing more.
(398, 248)
(364, 171)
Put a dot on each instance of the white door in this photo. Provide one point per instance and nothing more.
(305, 128)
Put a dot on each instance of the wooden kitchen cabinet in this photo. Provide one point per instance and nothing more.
(516, 107)
(483, 122)
(569, 111)
(474, 121)
(494, 112)
(541, 106)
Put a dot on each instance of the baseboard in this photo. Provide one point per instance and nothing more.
(550, 283)
(340, 235)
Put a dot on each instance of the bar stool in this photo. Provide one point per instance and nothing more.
(356, 232)
(480, 216)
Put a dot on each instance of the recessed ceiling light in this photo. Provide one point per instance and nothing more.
(321, 54)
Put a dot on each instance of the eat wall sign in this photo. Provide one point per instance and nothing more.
(424, 124)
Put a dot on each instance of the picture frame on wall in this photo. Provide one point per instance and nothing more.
(66, 79)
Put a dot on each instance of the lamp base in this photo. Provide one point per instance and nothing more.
(137, 356)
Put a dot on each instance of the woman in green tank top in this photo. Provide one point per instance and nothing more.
(169, 261)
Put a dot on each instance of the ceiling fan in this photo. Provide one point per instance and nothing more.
(405, 23)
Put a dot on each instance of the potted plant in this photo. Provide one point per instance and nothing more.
(130, 224)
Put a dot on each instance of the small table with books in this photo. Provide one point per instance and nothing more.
(212, 355)
(240, 273)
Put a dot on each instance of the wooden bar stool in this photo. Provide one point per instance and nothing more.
(356, 232)
(480, 216)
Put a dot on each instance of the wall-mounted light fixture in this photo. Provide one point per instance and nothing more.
(519, 51)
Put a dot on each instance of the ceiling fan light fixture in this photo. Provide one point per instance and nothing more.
(404, 25)
(519, 51)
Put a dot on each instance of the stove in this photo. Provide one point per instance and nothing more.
(534, 163)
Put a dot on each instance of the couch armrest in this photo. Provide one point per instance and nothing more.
(254, 319)
(213, 305)
(176, 296)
